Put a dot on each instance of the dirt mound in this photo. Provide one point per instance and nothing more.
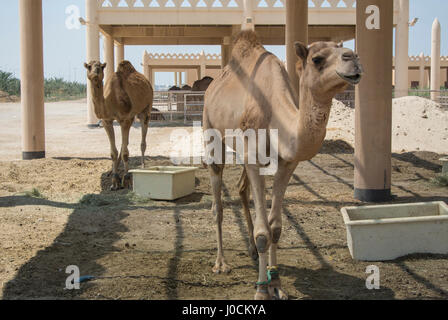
(417, 124)
(5, 97)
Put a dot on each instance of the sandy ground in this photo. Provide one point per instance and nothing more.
(418, 124)
(68, 136)
(165, 250)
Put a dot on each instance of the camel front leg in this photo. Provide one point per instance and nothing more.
(125, 128)
(262, 233)
(109, 127)
(144, 121)
(216, 171)
(281, 180)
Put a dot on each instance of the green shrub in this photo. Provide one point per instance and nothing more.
(55, 89)
(441, 180)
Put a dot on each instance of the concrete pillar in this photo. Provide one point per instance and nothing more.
(119, 54)
(202, 61)
(421, 80)
(373, 111)
(435, 60)
(225, 52)
(150, 75)
(175, 79)
(32, 79)
(180, 78)
(402, 50)
(93, 53)
(296, 30)
(248, 15)
(109, 56)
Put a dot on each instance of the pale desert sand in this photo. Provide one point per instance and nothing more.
(418, 124)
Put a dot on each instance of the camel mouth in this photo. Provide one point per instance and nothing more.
(352, 79)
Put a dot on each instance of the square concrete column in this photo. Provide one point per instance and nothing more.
(93, 53)
(402, 50)
(32, 79)
(225, 52)
(180, 78)
(373, 112)
(147, 72)
(119, 54)
(248, 15)
(109, 56)
(296, 30)
(435, 60)
(202, 62)
(422, 61)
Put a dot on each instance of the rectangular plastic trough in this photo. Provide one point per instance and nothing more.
(386, 232)
(164, 183)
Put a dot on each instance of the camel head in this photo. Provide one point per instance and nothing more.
(326, 68)
(95, 71)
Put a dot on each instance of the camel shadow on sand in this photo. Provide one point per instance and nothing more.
(91, 232)
(96, 224)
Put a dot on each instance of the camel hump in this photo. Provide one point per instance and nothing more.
(245, 42)
(125, 68)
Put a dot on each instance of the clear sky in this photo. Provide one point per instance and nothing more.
(64, 49)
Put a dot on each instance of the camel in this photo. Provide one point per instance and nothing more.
(127, 94)
(202, 85)
(255, 92)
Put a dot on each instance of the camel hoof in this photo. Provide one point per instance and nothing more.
(221, 268)
(279, 294)
(262, 295)
(276, 291)
(127, 181)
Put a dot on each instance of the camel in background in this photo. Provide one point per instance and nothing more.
(127, 94)
(255, 92)
(202, 85)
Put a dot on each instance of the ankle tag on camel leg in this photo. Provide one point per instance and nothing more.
(273, 273)
(265, 283)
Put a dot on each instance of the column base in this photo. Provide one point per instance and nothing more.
(372, 195)
(31, 155)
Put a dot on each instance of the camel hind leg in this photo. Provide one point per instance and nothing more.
(217, 209)
(125, 128)
(244, 191)
(144, 121)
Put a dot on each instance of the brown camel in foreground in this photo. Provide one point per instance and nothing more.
(127, 94)
(254, 92)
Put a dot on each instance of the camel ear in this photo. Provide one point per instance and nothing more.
(301, 51)
(87, 66)
(103, 66)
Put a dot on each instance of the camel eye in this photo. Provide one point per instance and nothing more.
(318, 60)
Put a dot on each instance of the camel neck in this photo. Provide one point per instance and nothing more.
(314, 111)
(98, 98)
(312, 124)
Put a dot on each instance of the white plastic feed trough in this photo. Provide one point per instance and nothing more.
(164, 183)
(386, 232)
